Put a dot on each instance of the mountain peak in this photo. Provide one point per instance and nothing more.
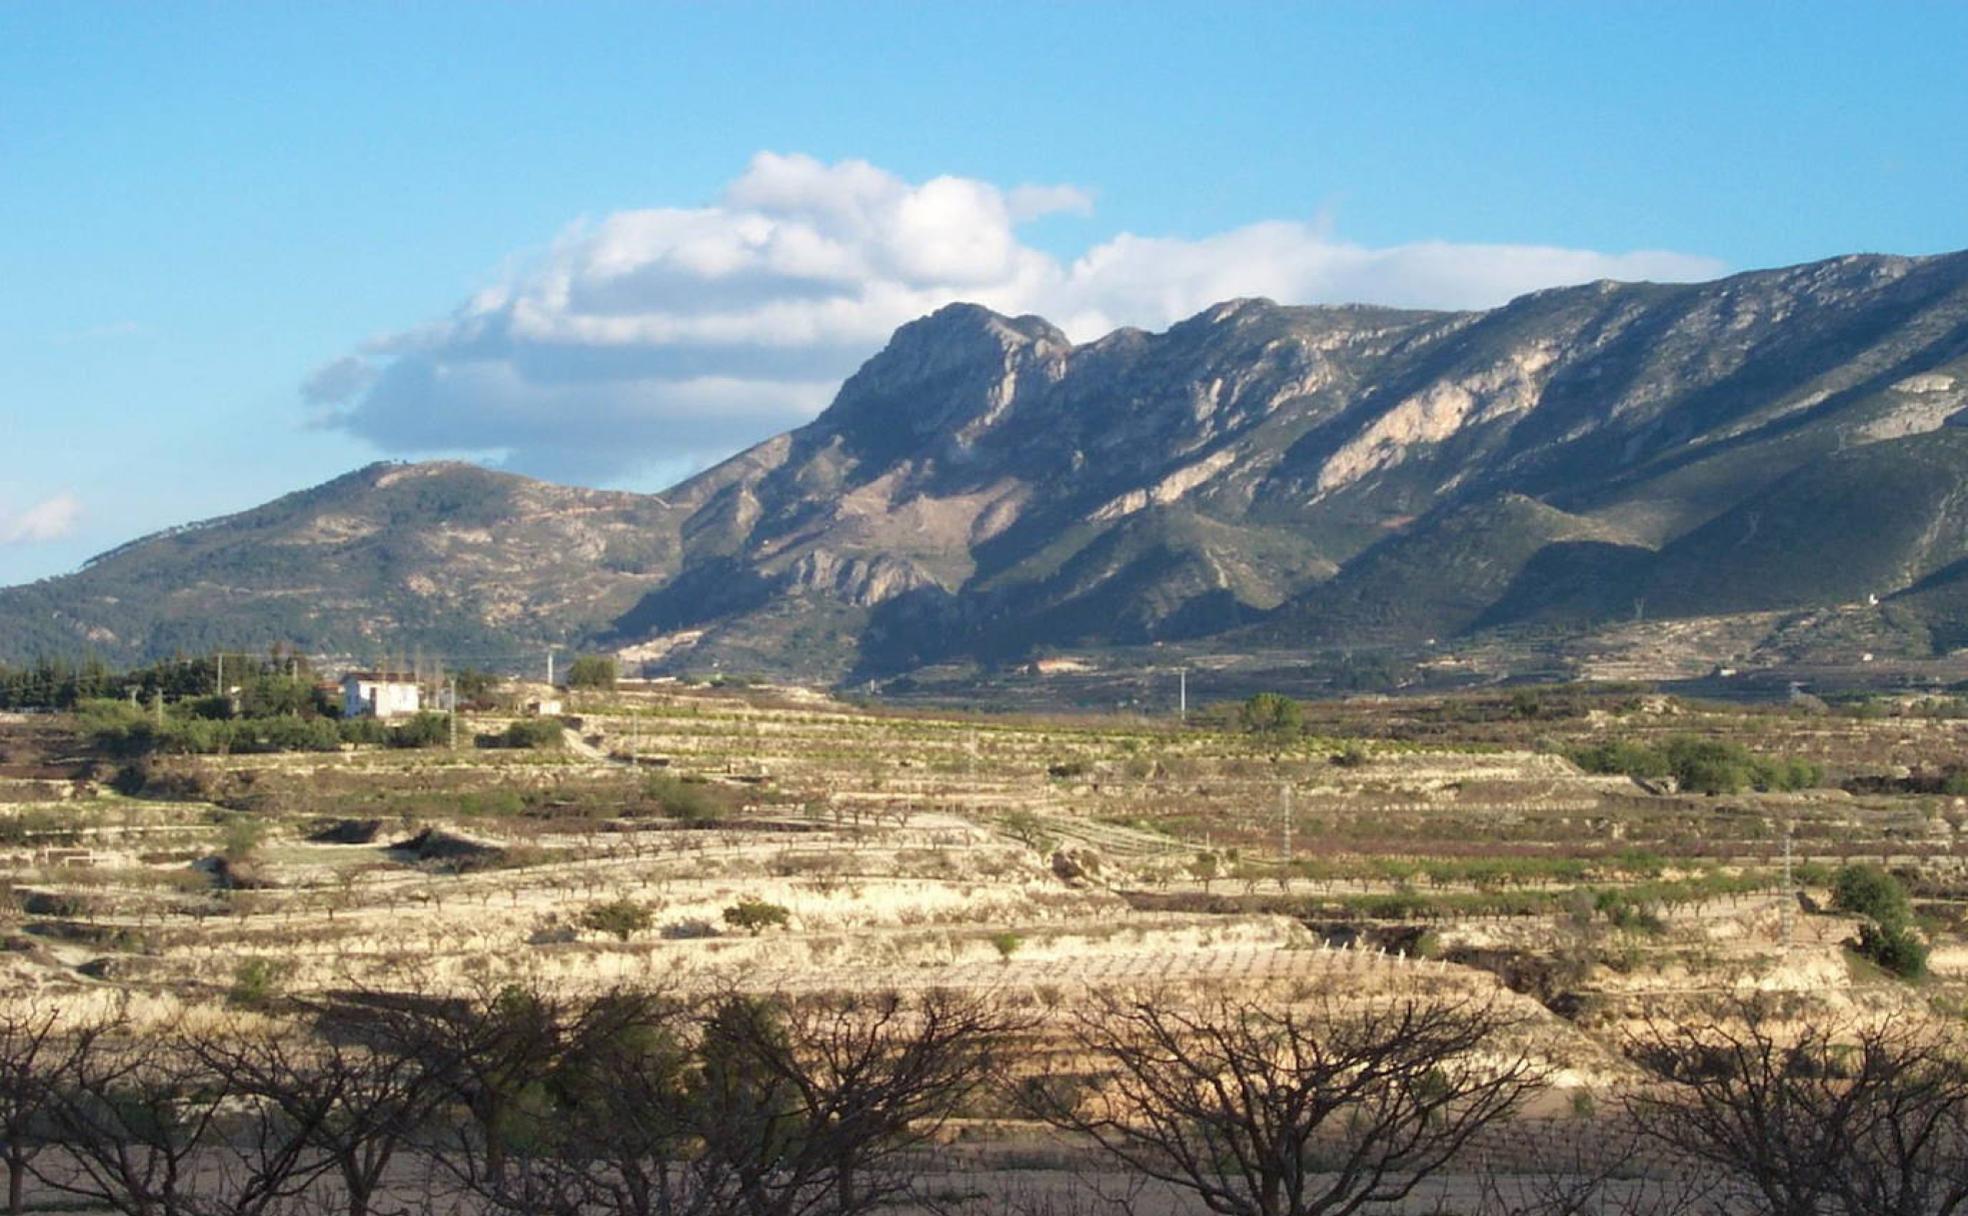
(953, 321)
(940, 376)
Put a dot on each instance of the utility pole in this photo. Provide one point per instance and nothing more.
(1182, 693)
(220, 690)
(550, 682)
(454, 714)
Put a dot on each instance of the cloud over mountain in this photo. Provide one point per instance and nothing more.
(674, 334)
(50, 519)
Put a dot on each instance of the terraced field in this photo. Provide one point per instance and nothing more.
(1044, 860)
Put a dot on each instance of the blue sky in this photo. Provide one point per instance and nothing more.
(245, 248)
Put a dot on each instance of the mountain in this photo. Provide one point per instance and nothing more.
(446, 558)
(1258, 476)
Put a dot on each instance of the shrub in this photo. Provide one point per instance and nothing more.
(364, 730)
(1885, 937)
(293, 734)
(1006, 944)
(1206, 867)
(1623, 911)
(533, 733)
(1622, 757)
(131, 778)
(240, 838)
(592, 671)
(1791, 773)
(255, 983)
(215, 708)
(624, 918)
(422, 730)
(689, 801)
(1352, 755)
(1894, 947)
(114, 725)
(1027, 829)
(1868, 891)
(1708, 766)
(272, 696)
(755, 916)
(1270, 713)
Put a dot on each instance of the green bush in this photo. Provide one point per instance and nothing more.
(1271, 713)
(624, 918)
(255, 983)
(1352, 755)
(1886, 937)
(240, 838)
(274, 696)
(1708, 766)
(422, 730)
(215, 708)
(592, 671)
(1868, 891)
(364, 730)
(755, 916)
(1894, 947)
(1623, 911)
(1621, 756)
(534, 733)
(1704, 766)
(692, 802)
(1791, 773)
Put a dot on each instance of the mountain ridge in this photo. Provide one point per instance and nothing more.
(1257, 474)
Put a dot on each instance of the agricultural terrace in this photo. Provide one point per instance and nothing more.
(771, 840)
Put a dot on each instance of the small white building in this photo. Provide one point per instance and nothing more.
(366, 694)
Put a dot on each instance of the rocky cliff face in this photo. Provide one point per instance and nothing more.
(1274, 475)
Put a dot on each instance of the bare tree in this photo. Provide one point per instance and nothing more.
(610, 1136)
(1840, 1115)
(147, 1129)
(35, 1047)
(738, 1105)
(355, 1106)
(1591, 1165)
(1276, 1109)
(489, 1052)
(807, 1105)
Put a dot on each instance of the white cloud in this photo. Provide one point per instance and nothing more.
(49, 519)
(683, 333)
(1031, 202)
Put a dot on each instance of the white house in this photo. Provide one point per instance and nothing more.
(366, 694)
